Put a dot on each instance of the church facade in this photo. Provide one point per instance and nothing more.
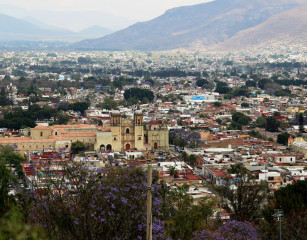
(127, 134)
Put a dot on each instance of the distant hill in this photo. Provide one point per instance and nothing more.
(31, 29)
(72, 20)
(192, 26)
(287, 28)
(45, 26)
(14, 29)
(95, 32)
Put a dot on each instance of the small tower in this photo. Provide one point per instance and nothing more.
(115, 119)
(290, 141)
(138, 130)
(138, 118)
(116, 126)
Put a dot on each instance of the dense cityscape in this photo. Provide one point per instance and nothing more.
(224, 135)
(156, 120)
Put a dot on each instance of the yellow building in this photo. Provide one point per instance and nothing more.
(298, 145)
(123, 134)
(126, 134)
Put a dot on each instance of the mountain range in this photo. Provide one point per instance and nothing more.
(31, 29)
(285, 30)
(213, 23)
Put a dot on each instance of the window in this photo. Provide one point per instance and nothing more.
(291, 159)
(41, 134)
(114, 138)
(280, 159)
(127, 131)
(67, 146)
(56, 133)
(139, 121)
(140, 138)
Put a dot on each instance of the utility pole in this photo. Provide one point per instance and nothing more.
(149, 203)
(279, 215)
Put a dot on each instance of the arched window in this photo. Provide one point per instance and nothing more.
(127, 131)
(109, 147)
(155, 145)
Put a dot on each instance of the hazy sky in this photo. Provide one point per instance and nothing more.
(133, 9)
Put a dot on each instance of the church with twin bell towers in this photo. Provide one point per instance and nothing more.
(133, 134)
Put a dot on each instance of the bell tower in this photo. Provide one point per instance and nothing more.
(138, 130)
(116, 129)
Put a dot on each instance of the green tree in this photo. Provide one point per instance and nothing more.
(5, 179)
(62, 118)
(200, 82)
(242, 197)
(12, 226)
(79, 106)
(4, 101)
(139, 94)
(222, 88)
(77, 147)
(189, 217)
(245, 105)
(272, 124)
(108, 104)
(301, 121)
(283, 138)
(217, 104)
(292, 198)
(260, 122)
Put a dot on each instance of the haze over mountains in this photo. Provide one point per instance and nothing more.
(202, 25)
(71, 20)
(30, 29)
(220, 24)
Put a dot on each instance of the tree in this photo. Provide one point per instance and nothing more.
(250, 83)
(283, 138)
(179, 142)
(96, 205)
(232, 230)
(222, 88)
(139, 94)
(108, 104)
(3, 97)
(242, 197)
(192, 139)
(62, 117)
(292, 198)
(5, 177)
(217, 104)
(301, 122)
(200, 82)
(240, 119)
(79, 106)
(77, 147)
(261, 121)
(189, 217)
(272, 124)
(172, 171)
(12, 226)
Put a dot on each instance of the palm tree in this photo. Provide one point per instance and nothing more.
(172, 171)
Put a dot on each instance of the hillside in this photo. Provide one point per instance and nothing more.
(288, 27)
(31, 29)
(192, 26)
